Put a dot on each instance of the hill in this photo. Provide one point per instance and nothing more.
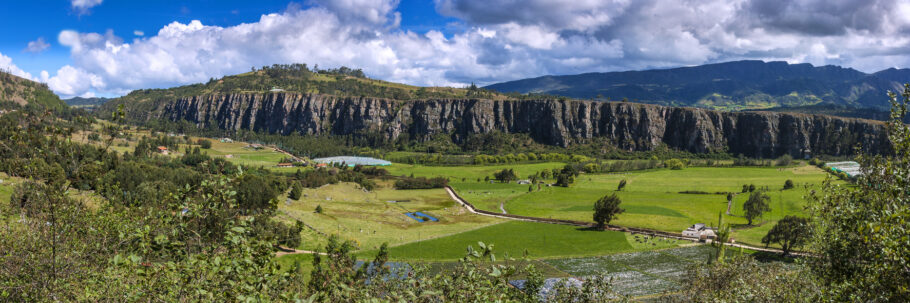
(298, 78)
(86, 103)
(21, 91)
(726, 86)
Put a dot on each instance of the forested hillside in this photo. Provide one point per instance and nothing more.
(22, 91)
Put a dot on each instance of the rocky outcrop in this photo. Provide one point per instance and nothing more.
(629, 126)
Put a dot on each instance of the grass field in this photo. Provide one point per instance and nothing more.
(539, 240)
(652, 198)
(370, 219)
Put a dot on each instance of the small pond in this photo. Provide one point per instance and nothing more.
(421, 217)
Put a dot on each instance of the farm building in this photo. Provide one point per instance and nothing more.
(525, 182)
(227, 140)
(285, 164)
(162, 150)
(851, 168)
(353, 161)
(699, 231)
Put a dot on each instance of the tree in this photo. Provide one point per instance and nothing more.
(205, 144)
(296, 191)
(606, 209)
(506, 175)
(319, 209)
(790, 232)
(564, 180)
(788, 184)
(622, 184)
(861, 231)
(756, 205)
(751, 188)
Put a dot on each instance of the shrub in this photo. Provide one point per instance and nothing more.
(674, 164)
(205, 144)
(784, 160)
(788, 184)
(319, 209)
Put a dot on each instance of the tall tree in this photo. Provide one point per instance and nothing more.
(606, 209)
(756, 206)
(862, 231)
(622, 184)
(790, 232)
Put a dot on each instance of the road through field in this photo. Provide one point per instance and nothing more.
(655, 233)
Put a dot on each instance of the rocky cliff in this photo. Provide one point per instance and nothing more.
(628, 126)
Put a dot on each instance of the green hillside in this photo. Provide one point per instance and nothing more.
(20, 91)
(298, 78)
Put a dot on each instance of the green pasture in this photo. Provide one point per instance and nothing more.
(538, 240)
(371, 218)
(652, 198)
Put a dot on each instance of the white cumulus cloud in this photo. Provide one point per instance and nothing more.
(499, 41)
(7, 66)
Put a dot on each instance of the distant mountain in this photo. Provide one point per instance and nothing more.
(734, 85)
(21, 91)
(86, 103)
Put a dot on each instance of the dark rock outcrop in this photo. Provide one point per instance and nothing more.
(629, 126)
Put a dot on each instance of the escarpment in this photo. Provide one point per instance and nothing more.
(628, 126)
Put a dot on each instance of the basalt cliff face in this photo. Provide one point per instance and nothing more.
(629, 126)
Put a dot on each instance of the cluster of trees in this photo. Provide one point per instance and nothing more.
(319, 177)
(785, 160)
(505, 176)
(619, 166)
(420, 182)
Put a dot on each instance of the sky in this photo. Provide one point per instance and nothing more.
(110, 47)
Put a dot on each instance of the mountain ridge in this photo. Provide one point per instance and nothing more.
(735, 85)
(624, 125)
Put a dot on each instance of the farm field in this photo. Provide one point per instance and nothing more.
(370, 218)
(637, 273)
(653, 198)
(539, 240)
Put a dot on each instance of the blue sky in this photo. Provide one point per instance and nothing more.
(108, 48)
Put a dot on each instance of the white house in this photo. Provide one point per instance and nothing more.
(524, 182)
(699, 231)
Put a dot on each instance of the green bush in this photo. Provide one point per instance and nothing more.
(205, 144)
(788, 184)
(674, 164)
